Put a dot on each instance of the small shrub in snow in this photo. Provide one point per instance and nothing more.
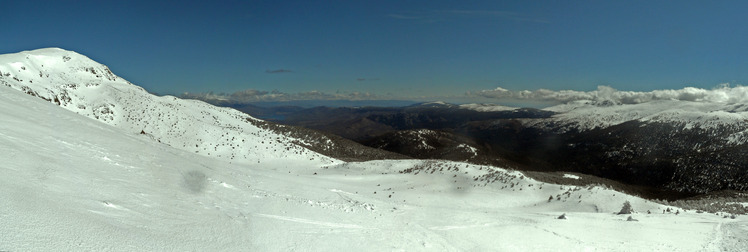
(626, 209)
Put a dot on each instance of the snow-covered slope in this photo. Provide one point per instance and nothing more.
(86, 87)
(72, 183)
(697, 115)
(694, 146)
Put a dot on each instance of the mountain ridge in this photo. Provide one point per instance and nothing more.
(79, 84)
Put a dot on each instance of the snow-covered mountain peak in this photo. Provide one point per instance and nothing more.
(84, 86)
(50, 55)
(37, 64)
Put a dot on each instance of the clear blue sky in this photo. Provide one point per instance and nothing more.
(405, 48)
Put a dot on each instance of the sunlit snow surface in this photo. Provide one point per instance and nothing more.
(73, 183)
(86, 87)
(700, 115)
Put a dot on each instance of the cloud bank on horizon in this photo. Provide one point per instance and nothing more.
(253, 95)
(604, 94)
(722, 94)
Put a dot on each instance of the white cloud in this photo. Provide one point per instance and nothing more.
(252, 95)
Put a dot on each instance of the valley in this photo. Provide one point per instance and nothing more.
(675, 149)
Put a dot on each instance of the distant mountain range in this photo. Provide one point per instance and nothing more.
(668, 146)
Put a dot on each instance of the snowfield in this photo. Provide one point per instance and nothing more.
(72, 182)
(585, 115)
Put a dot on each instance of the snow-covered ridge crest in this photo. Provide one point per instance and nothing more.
(724, 108)
(585, 115)
(605, 95)
(49, 73)
(81, 85)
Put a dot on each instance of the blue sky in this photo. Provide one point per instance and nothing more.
(394, 48)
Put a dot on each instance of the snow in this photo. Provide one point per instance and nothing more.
(483, 107)
(88, 88)
(436, 103)
(469, 149)
(72, 182)
(586, 115)
(571, 176)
